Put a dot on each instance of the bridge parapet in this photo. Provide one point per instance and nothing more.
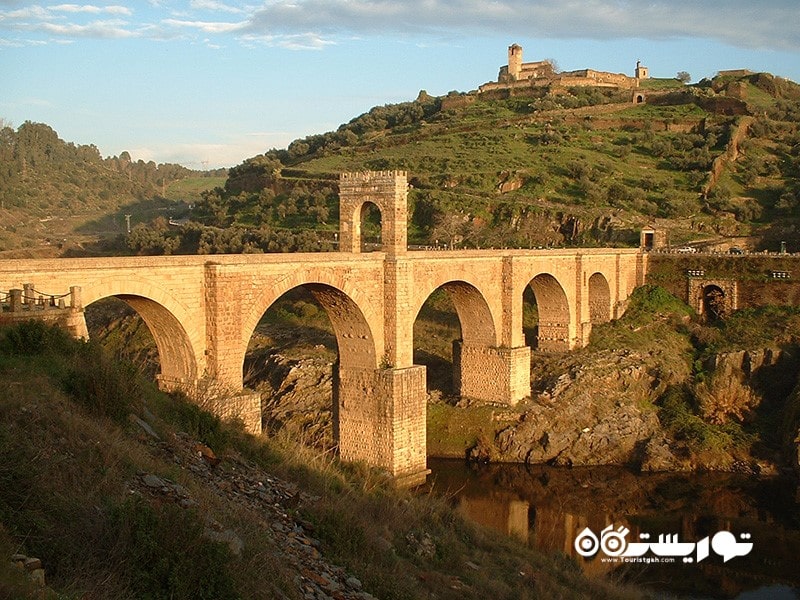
(18, 305)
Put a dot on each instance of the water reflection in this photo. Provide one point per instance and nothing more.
(548, 507)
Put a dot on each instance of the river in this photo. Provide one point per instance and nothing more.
(549, 507)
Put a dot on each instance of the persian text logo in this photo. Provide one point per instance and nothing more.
(613, 543)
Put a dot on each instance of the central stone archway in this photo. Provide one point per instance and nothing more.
(385, 189)
(599, 299)
(554, 315)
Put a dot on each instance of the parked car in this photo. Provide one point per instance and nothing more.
(687, 250)
(735, 250)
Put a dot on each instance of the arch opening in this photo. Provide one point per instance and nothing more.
(551, 315)
(294, 357)
(370, 226)
(713, 302)
(123, 333)
(599, 299)
(145, 332)
(454, 316)
(435, 329)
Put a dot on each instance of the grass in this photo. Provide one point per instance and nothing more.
(66, 467)
(190, 188)
(470, 149)
(452, 431)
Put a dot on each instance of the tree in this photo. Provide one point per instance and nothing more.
(683, 77)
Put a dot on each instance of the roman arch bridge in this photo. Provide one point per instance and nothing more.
(203, 310)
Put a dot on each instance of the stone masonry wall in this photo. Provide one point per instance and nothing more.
(380, 418)
(491, 374)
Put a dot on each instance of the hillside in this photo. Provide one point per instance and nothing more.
(58, 194)
(576, 166)
(584, 166)
(123, 492)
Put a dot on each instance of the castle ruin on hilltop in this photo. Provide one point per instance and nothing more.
(517, 75)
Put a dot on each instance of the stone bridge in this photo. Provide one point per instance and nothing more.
(203, 310)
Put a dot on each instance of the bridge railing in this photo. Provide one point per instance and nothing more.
(31, 299)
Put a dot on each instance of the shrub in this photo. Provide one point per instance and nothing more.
(165, 554)
(31, 338)
(104, 386)
(724, 397)
(195, 421)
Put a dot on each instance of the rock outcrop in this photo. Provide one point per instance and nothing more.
(296, 395)
(605, 411)
(597, 413)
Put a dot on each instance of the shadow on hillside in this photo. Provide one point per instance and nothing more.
(438, 371)
(142, 211)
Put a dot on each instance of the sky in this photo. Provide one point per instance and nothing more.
(207, 83)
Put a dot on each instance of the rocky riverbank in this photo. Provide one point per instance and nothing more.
(615, 410)
(655, 391)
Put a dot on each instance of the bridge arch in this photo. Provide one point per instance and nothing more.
(352, 326)
(387, 190)
(474, 313)
(713, 302)
(178, 347)
(367, 225)
(599, 298)
(554, 313)
(475, 356)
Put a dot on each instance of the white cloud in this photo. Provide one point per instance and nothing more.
(89, 8)
(204, 26)
(300, 41)
(218, 6)
(767, 24)
(213, 155)
(95, 29)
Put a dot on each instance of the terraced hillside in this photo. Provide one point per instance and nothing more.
(584, 166)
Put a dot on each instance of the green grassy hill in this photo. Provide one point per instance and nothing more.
(583, 166)
(56, 196)
(580, 166)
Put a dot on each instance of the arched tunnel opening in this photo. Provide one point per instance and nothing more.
(122, 331)
(371, 224)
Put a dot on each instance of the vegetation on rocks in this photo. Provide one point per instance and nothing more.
(131, 493)
(657, 390)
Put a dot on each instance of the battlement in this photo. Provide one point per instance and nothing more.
(371, 176)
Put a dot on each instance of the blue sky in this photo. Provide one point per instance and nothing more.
(208, 84)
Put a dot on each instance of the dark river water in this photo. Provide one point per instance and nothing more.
(724, 536)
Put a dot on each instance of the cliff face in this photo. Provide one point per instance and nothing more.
(613, 407)
(607, 407)
(296, 396)
(596, 412)
(790, 431)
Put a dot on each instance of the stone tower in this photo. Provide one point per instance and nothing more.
(388, 190)
(514, 61)
(641, 72)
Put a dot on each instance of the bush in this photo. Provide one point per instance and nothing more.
(166, 556)
(33, 338)
(675, 413)
(104, 386)
(724, 397)
(199, 424)
(650, 300)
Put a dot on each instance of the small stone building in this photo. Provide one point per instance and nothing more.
(652, 238)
